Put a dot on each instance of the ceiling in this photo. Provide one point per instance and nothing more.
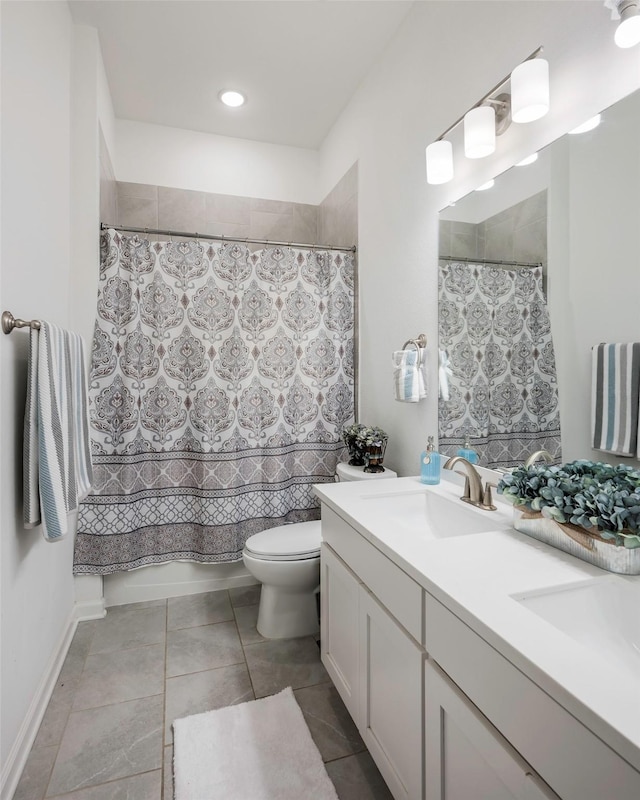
(298, 61)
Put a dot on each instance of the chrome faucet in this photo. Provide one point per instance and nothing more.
(545, 454)
(474, 494)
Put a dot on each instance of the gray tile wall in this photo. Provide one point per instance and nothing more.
(338, 218)
(519, 233)
(145, 206)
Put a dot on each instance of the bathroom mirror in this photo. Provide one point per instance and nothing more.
(571, 221)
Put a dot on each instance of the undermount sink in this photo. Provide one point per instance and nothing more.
(428, 513)
(601, 614)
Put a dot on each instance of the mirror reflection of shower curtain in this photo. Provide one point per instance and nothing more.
(503, 392)
(221, 380)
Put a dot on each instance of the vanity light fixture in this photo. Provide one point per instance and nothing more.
(528, 160)
(232, 98)
(527, 100)
(628, 12)
(589, 125)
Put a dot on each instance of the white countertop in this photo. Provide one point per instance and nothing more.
(475, 575)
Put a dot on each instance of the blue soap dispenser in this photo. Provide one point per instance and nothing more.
(467, 452)
(430, 464)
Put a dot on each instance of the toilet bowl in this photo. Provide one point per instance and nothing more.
(286, 560)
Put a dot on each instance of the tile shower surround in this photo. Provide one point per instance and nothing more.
(107, 732)
(334, 221)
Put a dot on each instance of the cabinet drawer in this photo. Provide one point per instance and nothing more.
(574, 762)
(399, 593)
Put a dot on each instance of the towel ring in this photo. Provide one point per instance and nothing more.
(420, 342)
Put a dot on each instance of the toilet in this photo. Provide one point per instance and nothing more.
(286, 560)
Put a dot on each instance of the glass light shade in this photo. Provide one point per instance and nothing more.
(479, 132)
(628, 31)
(530, 90)
(528, 160)
(439, 162)
(232, 98)
(589, 125)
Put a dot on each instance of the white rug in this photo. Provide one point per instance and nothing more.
(260, 750)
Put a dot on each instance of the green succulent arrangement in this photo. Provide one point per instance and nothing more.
(364, 436)
(589, 494)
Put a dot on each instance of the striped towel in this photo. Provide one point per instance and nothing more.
(409, 376)
(615, 398)
(57, 456)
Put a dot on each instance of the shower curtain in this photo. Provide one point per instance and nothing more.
(221, 380)
(503, 392)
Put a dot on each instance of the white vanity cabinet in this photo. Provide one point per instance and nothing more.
(339, 627)
(466, 758)
(390, 708)
(374, 662)
(447, 715)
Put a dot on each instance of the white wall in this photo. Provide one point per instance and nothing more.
(37, 585)
(425, 80)
(204, 162)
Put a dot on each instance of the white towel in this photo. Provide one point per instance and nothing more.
(615, 398)
(444, 373)
(57, 456)
(409, 375)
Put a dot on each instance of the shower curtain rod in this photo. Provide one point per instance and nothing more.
(160, 232)
(466, 260)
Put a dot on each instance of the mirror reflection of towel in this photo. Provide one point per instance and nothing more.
(444, 373)
(409, 375)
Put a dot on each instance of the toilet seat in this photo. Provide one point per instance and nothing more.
(295, 542)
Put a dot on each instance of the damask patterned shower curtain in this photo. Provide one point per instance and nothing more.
(221, 380)
(503, 392)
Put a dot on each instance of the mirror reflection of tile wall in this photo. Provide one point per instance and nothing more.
(518, 233)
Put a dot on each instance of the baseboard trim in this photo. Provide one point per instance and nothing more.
(19, 753)
(90, 609)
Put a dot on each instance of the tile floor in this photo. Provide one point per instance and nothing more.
(106, 734)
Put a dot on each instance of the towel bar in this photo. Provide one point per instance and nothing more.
(9, 322)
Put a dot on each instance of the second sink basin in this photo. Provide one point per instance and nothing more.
(429, 513)
(601, 614)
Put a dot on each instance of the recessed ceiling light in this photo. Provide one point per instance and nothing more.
(589, 125)
(486, 186)
(528, 160)
(232, 98)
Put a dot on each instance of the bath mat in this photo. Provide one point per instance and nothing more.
(260, 750)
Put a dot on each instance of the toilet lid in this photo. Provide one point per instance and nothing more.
(286, 542)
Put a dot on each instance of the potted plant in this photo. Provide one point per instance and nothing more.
(587, 508)
(366, 446)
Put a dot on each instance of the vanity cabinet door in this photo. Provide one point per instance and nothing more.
(339, 597)
(465, 756)
(391, 698)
